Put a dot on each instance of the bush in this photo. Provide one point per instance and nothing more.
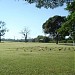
(66, 41)
(52, 41)
(63, 41)
(69, 41)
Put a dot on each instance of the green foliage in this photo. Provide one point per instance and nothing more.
(2, 29)
(64, 30)
(48, 3)
(71, 7)
(66, 41)
(46, 39)
(68, 27)
(41, 38)
(63, 41)
(69, 41)
(52, 24)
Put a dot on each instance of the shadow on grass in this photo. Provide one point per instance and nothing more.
(67, 44)
(2, 42)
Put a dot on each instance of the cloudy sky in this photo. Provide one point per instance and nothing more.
(18, 15)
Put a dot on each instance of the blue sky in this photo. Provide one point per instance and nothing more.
(18, 15)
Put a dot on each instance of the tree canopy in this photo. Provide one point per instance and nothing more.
(52, 24)
(48, 3)
(71, 7)
(68, 27)
(2, 29)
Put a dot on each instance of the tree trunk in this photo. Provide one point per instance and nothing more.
(26, 38)
(57, 39)
(0, 37)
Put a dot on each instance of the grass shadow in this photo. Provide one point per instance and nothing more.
(67, 44)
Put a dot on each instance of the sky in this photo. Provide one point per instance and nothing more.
(20, 14)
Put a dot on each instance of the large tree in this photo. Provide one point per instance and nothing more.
(68, 27)
(48, 3)
(2, 29)
(52, 24)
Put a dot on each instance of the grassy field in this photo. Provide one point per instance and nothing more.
(36, 59)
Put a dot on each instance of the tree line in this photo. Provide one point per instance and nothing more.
(57, 26)
(60, 26)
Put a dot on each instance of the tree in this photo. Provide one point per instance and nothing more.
(71, 20)
(52, 24)
(41, 38)
(68, 27)
(25, 33)
(46, 39)
(48, 3)
(71, 7)
(2, 29)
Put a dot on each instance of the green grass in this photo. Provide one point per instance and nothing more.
(36, 59)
